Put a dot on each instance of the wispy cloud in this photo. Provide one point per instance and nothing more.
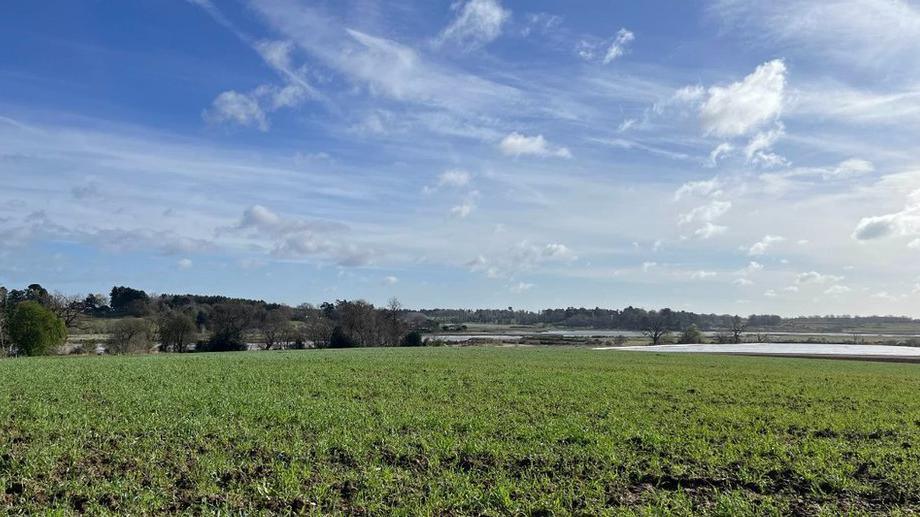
(516, 144)
(476, 23)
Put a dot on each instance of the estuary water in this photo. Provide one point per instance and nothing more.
(803, 349)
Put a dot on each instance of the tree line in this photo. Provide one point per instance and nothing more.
(634, 318)
(34, 321)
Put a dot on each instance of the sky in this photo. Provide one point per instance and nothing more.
(730, 156)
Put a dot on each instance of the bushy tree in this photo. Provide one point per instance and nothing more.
(359, 322)
(35, 330)
(97, 303)
(691, 335)
(125, 300)
(229, 322)
(131, 336)
(275, 325)
(177, 330)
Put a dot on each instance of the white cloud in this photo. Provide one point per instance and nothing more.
(743, 282)
(770, 293)
(558, 251)
(477, 22)
(454, 178)
(543, 23)
(648, 266)
(619, 46)
(390, 280)
(605, 50)
(626, 125)
(516, 144)
(758, 150)
(867, 33)
(720, 151)
(903, 223)
(698, 188)
(813, 277)
(290, 238)
(741, 107)
(876, 227)
(852, 167)
(760, 247)
(702, 275)
(184, 263)
(241, 108)
(689, 94)
(466, 206)
(524, 256)
(250, 109)
(779, 183)
(382, 67)
(464, 209)
(706, 213)
(885, 295)
(837, 289)
(289, 96)
(753, 267)
(521, 287)
(709, 230)
(257, 216)
(623, 143)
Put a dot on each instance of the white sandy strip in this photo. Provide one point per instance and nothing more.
(780, 349)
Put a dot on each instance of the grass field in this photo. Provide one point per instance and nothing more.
(458, 431)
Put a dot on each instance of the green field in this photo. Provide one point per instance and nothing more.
(458, 431)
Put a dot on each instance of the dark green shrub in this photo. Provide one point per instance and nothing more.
(413, 338)
(223, 343)
(340, 339)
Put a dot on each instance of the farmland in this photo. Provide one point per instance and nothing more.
(458, 430)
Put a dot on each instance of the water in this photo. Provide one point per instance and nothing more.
(782, 349)
(461, 338)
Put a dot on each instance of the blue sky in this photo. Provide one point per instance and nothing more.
(724, 155)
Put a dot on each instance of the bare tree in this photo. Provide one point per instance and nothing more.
(318, 329)
(275, 326)
(3, 310)
(359, 322)
(737, 329)
(66, 307)
(131, 335)
(176, 331)
(657, 325)
(395, 328)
